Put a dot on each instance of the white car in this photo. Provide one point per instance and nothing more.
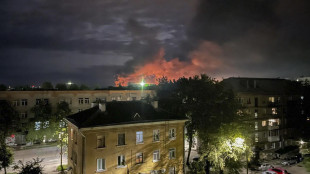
(265, 166)
(269, 172)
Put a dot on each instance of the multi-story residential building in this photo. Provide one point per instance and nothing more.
(125, 137)
(266, 102)
(78, 100)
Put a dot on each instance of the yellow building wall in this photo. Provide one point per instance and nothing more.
(111, 152)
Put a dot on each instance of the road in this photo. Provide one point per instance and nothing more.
(51, 156)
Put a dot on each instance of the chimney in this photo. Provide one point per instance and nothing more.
(93, 104)
(102, 107)
(155, 104)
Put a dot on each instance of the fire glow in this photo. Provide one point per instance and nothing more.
(205, 59)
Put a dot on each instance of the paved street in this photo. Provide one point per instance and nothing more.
(51, 156)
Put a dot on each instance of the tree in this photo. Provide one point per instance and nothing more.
(84, 87)
(30, 167)
(3, 87)
(47, 85)
(206, 103)
(6, 157)
(61, 131)
(8, 120)
(74, 87)
(61, 86)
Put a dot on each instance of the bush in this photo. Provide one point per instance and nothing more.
(65, 166)
(306, 163)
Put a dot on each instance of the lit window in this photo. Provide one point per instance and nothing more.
(24, 102)
(100, 141)
(46, 124)
(256, 137)
(171, 170)
(156, 135)
(100, 164)
(139, 137)
(156, 156)
(81, 100)
(271, 99)
(172, 133)
(263, 123)
(121, 139)
(86, 100)
(172, 153)
(274, 111)
(37, 125)
(256, 113)
(256, 125)
(121, 160)
(139, 158)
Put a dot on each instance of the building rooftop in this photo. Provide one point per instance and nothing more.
(262, 85)
(118, 113)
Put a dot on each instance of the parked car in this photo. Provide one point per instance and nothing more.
(290, 161)
(278, 170)
(269, 172)
(265, 166)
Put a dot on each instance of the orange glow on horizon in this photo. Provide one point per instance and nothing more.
(205, 59)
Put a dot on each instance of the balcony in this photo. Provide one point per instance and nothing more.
(273, 127)
(273, 138)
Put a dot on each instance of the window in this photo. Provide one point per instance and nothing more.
(256, 113)
(24, 102)
(256, 102)
(74, 157)
(38, 101)
(80, 110)
(86, 100)
(113, 98)
(37, 125)
(139, 137)
(274, 111)
(156, 156)
(81, 100)
(263, 123)
(15, 103)
(121, 139)
(271, 99)
(256, 137)
(172, 133)
(156, 135)
(100, 164)
(171, 170)
(71, 134)
(256, 125)
(100, 141)
(139, 158)
(45, 101)
(249, 101)
(75, 137)
(46, 124)
(23, 115)
(172, 153)
(121, 160)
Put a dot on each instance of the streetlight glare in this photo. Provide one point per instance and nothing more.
(142, 83)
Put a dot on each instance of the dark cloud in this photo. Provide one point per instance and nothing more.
(73, 39)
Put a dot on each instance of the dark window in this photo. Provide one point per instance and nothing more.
(121, 139)
(256, 102)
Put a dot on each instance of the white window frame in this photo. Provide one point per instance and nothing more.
(101, 165)
(81, 101)
(118, 142)
(24, 102)
(172, 153)
(86, 100)
(156, 135)
(139, 137)
(171, 170)
(156, 155)
(120, 160)
(172, 131)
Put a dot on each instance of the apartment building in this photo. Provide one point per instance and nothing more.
(125, 137)
(266, 103)
(78, 100)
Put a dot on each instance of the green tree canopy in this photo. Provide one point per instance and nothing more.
(8, 119)
(6, 157)
(61, 86)
(208, 106)
(3, 87)
(47, 85)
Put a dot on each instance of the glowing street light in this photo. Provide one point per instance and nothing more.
(142, 83)
(69, 83)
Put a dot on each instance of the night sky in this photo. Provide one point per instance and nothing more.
(95, 41)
